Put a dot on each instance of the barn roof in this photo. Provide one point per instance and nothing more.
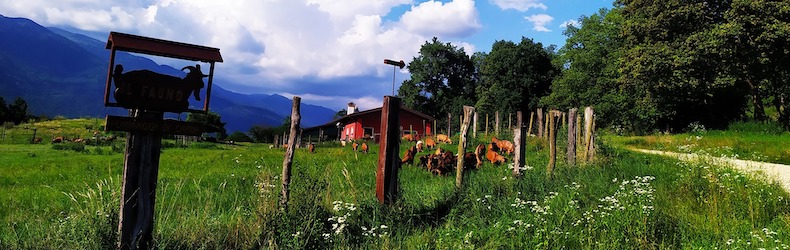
(346, 118)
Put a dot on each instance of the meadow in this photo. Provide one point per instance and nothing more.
(215, 196)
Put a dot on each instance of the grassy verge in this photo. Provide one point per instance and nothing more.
(226, 197)
(747, 141)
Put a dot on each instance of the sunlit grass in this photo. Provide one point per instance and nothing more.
(226, 197)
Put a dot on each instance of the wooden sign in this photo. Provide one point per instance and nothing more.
(148, 90)
(131, 124)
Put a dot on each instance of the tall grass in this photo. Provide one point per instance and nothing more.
(226, 197)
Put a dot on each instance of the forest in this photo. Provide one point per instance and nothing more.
(645, 66)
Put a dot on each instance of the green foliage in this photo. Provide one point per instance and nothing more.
(15, 113)
(239, 137)
(211, 121)
(766, 128)
(76, 147)
(514, 76)
(442, 80)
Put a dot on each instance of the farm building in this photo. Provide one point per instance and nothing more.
(356, 125)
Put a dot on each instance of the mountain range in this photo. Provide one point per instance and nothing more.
(63, 73)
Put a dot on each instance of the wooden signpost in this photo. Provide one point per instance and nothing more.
(148, 95)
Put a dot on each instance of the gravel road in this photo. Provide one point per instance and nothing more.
(778, 172)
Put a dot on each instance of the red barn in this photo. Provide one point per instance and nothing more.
(367, 124)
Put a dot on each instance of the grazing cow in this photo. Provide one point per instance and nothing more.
(493, 156)
(355, 146)
(444, 138)
(409, 155)
(58, 139)
(311, 147)
(79, 140)
(504, 146)
(430, 143)
(408, 137)
(364, 148)
(37, 140)
(470, 161)
(419, 146)
(439, 151)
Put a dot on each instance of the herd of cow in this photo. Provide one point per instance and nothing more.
(441, 161)
(90, 141)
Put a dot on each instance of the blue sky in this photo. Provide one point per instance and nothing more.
(328, 52)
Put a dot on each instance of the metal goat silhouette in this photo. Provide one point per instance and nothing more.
(145, 88)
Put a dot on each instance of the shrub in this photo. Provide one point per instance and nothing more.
(239, 137)
(77, 147)
(768, 128)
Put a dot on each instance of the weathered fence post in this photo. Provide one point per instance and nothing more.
(589, 137)
(459, 169)
(387, 170)
(138, 190)
(579, 129)
(474, 131)
(449, 122)
(320, 136)
(486, 124)
(552, 131)
(289, 153)
(33, 139)
(540, 122)
(496, 129)
(276, 141)
(509, 124)
(529, 129)
(519, 139)
(571, 154)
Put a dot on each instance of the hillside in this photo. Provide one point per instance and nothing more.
(63, 73)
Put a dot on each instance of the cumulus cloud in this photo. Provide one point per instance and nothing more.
(294, 46)
(458, 18)
(572, 22)
(540, 21)
(520, 5)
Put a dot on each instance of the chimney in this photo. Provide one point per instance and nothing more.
(351, 108)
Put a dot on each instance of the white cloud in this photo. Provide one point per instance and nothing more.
(572, 22)
(540, 21)
(277, 45)
(458, 18)
(520, 5)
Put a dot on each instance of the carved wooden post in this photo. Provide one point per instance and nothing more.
(459, 169)
(496, 122)
(519, 139)
(552, 131)
(387, 171)
(289, 153)
(571, 154)
(540, 123)
(138, 190)
(474, 131)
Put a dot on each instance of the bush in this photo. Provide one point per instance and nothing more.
(77, 147)
(239, 137)
(768, 128)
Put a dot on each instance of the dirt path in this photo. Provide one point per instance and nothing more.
(777, 171)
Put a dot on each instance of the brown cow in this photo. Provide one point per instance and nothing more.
(409, 155)
(37, 140)
(470, 161)
(58, 139)
(364, 148)
(493, 157)
(408, 137)
(504, 146)
(355, 146)
(311, 147)
(79, 140)
(430, 143)
(444, 138)
(419, 146)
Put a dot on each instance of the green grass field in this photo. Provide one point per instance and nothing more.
(225, 197)
(747, 141)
